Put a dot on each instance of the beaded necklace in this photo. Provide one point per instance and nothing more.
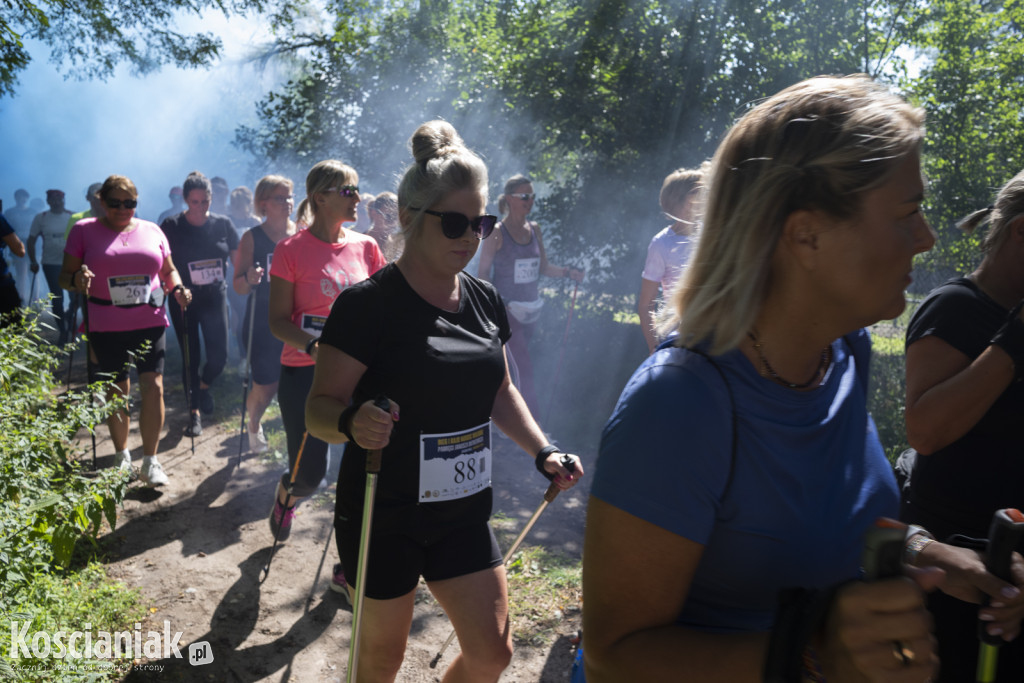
(768, 371)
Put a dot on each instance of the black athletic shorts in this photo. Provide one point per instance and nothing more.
(398, 560)
(116, 350)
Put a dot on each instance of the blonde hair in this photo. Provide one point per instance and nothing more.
(442, 164)
(265, 188)
(326, 174)
(817, 145)
(510, 184)
(678, 185)
(1007, 207)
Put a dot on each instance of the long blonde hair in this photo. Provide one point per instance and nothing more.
(324, 175)
(817, 145)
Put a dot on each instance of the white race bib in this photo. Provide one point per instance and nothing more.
(527, 270)
(313, 324)
(208, 272)
(129, 290)
(455, 465)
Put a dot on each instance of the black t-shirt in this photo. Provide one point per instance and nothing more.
(982, 471)
(195, 247)
(5, 230)
(442, 368)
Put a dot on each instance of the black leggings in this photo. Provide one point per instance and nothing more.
(292, 391)
(207, 312)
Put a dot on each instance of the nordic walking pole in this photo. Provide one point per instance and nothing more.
(291, 486)
(561, 353)
(549, 496)
(88, 372)
(373, 462)
(1004, 533)
(248, 368)
(188, 372)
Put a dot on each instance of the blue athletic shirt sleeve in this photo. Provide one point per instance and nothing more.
(665, 451)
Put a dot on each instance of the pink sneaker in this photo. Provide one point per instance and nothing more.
(281, 520)
(339, 584)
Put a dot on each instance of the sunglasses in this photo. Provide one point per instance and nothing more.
(525, 196)
(283, 200)
(347, 191)
(454, 225)
(118, 203)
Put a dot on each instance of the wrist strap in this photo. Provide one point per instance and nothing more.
(1010, 338)
(345, 422)
(541, 456)
(309, 348)
(73, 276)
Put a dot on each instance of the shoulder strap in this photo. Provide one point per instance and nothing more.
(732, 405)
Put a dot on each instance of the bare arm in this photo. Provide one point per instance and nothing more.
(32, 252)
(637, 576)
(645, 305)
(551, 270)
(511, 414)
(246, 276)
(334, 381)
(487, 251)
(281, 326)
(947, 393)
(172, 279)
(14, 244)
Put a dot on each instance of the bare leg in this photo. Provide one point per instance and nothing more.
(385, 629)
(151, 414)
(259, 398)
(119, 422)
(477, 605)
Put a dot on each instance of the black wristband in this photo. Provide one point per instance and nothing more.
(176, 287)
(1010, 338)
(345, 422)
(541, 456)
(309, 349)
(73, 276)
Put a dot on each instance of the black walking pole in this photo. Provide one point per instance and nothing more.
(188, 372)
(1004, 533)
(373, 462)
(549, 495)
(88, 374)
(288, 494)
(247, 380)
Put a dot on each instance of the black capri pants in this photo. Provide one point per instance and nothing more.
(208, 313)
(292, 392)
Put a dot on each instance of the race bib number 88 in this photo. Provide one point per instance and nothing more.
(455, 465)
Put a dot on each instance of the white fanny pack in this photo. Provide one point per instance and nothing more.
(526, 312)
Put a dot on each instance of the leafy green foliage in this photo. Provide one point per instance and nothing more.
(50, 502)
(69, 603)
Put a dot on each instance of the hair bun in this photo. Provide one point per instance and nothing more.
(435, 139)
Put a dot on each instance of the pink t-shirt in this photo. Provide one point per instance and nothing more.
(319, 272)
(127, 268)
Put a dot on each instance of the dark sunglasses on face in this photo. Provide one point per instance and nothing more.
(118, 203)
(525, 196)
(454, 225)
(347, 191)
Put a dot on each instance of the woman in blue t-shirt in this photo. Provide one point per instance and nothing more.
(749, 464)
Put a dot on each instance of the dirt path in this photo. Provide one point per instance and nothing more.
(196, 548)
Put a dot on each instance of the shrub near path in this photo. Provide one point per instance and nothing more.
(195, 549)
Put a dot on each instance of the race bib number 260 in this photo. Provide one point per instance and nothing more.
(456, 464)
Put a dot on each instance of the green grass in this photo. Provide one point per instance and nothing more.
(68, 602)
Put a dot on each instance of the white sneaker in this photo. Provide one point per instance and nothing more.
(152, 473)
(123, 460)
(258, 442)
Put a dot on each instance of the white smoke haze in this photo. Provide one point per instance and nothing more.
(67, 134)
